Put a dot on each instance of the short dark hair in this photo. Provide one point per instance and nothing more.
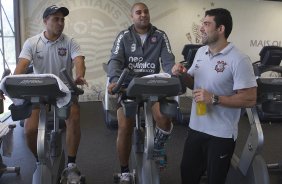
(222, 17)
(135, 4)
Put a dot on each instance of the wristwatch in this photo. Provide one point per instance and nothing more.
(215, 99)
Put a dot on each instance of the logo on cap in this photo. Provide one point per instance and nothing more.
(54, 9)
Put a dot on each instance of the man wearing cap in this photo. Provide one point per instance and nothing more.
(49, 52)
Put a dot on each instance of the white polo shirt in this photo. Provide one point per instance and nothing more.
(51, 56)
(221, 74)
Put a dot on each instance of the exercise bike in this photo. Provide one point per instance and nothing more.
(4, 169)
(269, 104)
(250, 167)
(43, 90)
(143, 93)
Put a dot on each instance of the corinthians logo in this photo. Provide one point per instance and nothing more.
(195, 35)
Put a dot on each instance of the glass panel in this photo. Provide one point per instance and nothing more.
(10, 51)
(7, 42)
(8, 17)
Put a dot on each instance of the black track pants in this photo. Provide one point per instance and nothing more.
(203, 152)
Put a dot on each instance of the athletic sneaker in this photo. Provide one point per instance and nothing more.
(125, 178)
(71, 174)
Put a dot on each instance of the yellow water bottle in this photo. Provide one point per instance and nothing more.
(201, 108)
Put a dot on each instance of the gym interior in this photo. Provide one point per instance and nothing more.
(95, 24)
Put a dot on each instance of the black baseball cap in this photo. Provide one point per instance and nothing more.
(54, 9)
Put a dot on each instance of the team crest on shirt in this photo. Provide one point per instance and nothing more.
(153, 39)
(220, 67)
(62, 51)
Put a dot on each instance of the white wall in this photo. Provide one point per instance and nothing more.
(95, 23)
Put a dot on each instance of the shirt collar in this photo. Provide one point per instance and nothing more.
(45, 40)
(223, 51)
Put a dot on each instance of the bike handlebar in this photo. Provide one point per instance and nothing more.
(6, 73)
(120, 81)
(73, 88)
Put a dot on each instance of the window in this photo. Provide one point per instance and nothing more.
(7, 40)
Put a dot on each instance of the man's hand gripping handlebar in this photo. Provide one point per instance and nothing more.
(73, 88)
(114, 88)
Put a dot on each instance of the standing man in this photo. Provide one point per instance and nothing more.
(221, 77)
(49, 52)
(141, 48)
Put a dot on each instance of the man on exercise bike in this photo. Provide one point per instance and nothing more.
(139, 48)
(49, 52)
